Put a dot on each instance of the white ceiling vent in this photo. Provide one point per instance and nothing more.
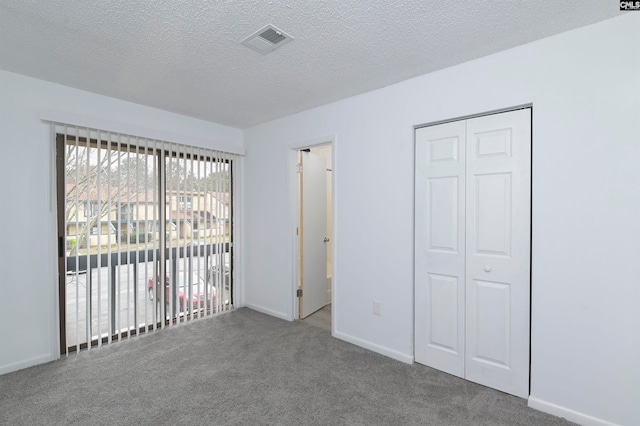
(266, 39)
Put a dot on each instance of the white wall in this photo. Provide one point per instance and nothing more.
(28, 270)
(585, 90)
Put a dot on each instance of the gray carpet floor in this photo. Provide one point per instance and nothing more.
(244, 367)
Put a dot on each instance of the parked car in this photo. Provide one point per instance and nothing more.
(202, 292)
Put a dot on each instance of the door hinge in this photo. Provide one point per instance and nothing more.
(298, 168)
(299, 292)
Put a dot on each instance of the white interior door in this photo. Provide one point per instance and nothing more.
(472, 249)
(498, 251)
(439, 247)
(313, 233)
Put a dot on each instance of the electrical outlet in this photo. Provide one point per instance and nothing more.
(376, 307)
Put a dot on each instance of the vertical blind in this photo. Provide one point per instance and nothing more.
(146, 234)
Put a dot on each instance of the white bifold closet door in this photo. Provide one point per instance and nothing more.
(472, 249)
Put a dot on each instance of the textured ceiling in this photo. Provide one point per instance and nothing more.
(185, 56)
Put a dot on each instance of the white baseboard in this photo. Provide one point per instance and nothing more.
(267, 311)
(399, 356)
(27, 363)
(571, 415)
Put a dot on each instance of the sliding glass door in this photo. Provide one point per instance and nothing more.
(145, 235)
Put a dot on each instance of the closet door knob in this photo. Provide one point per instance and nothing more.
(487, 268)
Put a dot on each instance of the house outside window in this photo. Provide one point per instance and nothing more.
(184, 201)
(126, 213)
(91, 209)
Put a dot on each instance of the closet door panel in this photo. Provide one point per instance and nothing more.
(439, 247)
(498, 251)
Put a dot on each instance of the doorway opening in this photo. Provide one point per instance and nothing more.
(314, 229)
